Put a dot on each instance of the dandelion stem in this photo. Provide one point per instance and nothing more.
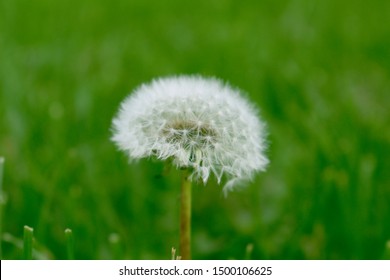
(28, 242)
(69, 244)
(185, 217)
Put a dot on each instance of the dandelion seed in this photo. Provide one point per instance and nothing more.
(203, 125)
(200, 123)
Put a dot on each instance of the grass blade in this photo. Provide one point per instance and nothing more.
(69, 244)
(2, 203)
(249, 251)
(28, 242)
(1, 173)
(386, 255)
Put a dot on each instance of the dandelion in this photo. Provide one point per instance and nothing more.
(203, 125)
(199, 123)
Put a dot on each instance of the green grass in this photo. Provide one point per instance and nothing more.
(28, 241)
(69, 244)
(318, 70)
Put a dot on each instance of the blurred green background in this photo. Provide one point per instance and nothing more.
(318, 70)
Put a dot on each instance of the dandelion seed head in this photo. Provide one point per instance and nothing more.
(200, 123)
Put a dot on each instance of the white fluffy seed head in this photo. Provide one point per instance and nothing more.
(199, 123)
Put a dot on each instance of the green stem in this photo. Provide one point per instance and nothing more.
(185, 217)
(69, 244)
(28, 242)
(2, 203)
